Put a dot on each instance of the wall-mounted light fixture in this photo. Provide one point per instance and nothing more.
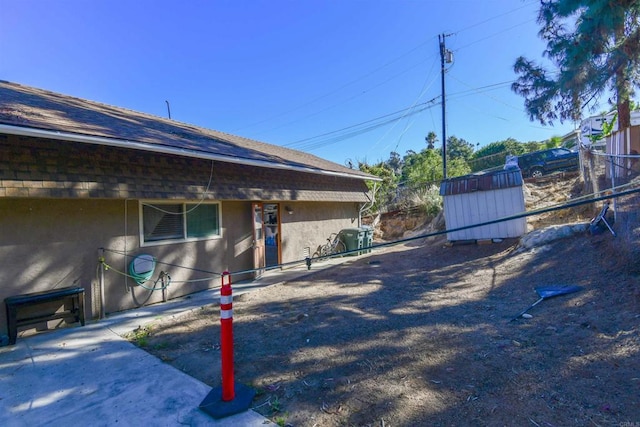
(289, 210)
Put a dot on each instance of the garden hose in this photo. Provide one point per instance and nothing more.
(141, 268)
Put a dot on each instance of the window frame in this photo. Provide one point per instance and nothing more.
(186, 205)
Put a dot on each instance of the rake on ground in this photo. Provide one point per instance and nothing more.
(547, 292)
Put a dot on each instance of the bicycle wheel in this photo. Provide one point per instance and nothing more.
(339, 247)
(325, 250)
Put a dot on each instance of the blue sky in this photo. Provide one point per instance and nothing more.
(338, 79)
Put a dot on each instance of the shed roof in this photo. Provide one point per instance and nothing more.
(487, 181)
(35, 112)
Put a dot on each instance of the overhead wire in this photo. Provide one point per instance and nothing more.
(340, 88)
(477, 24)
(483, 92)
(319, 144)
(332, 137)
(357, 95)
(427, 84)
(328, 138)
(493, 35)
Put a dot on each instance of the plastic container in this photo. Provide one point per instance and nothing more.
(353, 239)
(368, 238)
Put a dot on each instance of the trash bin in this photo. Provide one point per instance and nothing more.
(353, 239)
(368, 238)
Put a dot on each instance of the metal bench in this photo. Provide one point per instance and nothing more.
(39, 307)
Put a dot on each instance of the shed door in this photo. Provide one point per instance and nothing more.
(258, 240)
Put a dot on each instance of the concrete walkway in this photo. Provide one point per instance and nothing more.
(92, 376)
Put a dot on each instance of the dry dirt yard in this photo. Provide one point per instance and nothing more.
(420, 334)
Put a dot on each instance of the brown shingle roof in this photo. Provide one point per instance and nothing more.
(33, 108)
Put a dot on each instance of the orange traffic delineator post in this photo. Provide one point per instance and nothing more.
(231, 398)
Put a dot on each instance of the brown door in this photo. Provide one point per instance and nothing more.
(258, 240)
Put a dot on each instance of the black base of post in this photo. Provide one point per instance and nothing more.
(217, 408)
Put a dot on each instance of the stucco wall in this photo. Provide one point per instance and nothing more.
(51, 243)
(48, 244)
(311, 224)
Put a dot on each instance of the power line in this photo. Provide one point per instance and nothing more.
(331, 137)
(478, 91)
(427, 84)
(344, 101)
(494, 34)
(496, 17)
(328, 138)
(340, 88)
(481, 89)
(360, 128)
(372, 72)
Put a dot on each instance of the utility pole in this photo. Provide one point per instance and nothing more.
(446, 56)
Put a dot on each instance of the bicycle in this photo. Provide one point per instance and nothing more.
(333, 246)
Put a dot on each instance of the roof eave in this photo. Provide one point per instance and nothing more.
(132, 145)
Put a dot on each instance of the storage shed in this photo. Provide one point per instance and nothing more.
(479, 198)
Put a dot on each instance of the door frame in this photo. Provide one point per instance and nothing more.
(259, 236)
(257, 221)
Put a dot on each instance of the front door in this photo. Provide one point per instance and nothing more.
(271, 219)
(258, 240)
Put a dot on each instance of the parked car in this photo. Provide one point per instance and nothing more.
(543, 162)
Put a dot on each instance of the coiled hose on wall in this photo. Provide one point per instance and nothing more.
(141, 268)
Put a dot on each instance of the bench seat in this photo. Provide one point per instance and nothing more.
(22, 310)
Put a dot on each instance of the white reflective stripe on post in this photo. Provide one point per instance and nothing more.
(226, 299)
(226, 314)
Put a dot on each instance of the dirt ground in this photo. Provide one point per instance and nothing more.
(420, 334)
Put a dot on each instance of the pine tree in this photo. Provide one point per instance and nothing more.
(431, 140)
(595, 46)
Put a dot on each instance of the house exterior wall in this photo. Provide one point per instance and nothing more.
(64, 205)
(48, 243)
(311, 224)
(35, 167)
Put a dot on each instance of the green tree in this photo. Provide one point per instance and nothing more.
(395, 162)
(431, 140)
(422, 167)
(595, 46)
(494, 154)
(553, 142)
(457, 167)
(458, 148)
(385, 190)
(531, 146)
(426, 167)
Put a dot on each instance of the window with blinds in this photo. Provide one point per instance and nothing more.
(170, 222)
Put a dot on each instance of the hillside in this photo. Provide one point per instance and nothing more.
(539, 193)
